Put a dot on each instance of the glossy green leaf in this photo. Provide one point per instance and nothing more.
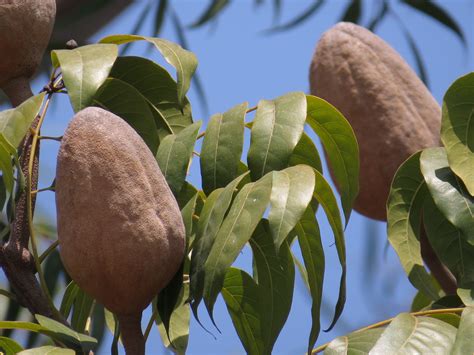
(457, 129)
(306, 153)
(324, 195)
(14, 125)
(309, 240)
(276, 277)
(84, 70)
(174, 155)
(408, 334)
(354, 343)
(214, 8)
(449, 244)
(292, 191)
(240, 294)
(47, 350)
(340, 145)
(404, 205)
(125, 101)
(185, 62)
(222, 148)
(9, 346)
(437, 13)
(210, 220)
(448, 192)
(70, 295)
(353, 12)
(276, 130)
(159, 89)
(83, 304)
(463, 343)
(236, 229)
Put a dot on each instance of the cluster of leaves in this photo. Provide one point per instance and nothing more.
(268, 201)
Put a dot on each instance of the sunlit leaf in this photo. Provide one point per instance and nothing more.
(84, 70)
(47, 350)
(222, 148)
(457, 129)
(354, 343)
(463, 343)
(306, 152)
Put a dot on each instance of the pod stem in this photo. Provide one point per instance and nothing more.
(131, 333)
(18, 90)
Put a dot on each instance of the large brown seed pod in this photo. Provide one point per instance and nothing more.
(121, 233)
(25, 29)
(391, 111)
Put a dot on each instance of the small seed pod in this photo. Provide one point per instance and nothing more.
(121, 234)
(391, 111)
(25, 29)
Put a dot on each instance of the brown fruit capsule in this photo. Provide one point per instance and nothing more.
(121, 233)
(391, 111)
(25, 29)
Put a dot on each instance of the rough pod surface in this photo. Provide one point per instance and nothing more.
(25, 29)
(391, 111)
(120, 230)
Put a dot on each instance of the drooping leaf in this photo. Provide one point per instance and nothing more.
(420, 66)
(187, 213)
(437, 13)
(276, 277)
(84, 70)
(457, 129)
(463, 343)
(341, 147)
(378, 17)
(125, 101)
(210, 220)
(72, 290)
(47, 350)
(292, 191)
(159, 89)
(309, 240)
(354, 343)
(306, 152)
(240, 294)
(324, 195)
(161, 10)
(404, 205)
(276, 130)
(9, 346)
(408, 334)
(98, 323)
(353, 12)
(214, 8)
(298, 20)
(83, 304)
(448, 192)
(222, 148)
(174, 155)
(184, 61)
(236, 229)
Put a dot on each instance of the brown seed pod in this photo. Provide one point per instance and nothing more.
(25, 29)
(391, 111)
(121, 233)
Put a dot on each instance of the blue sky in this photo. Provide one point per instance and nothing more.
(238, 63)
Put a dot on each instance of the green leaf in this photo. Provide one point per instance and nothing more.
(306, 153)
(467, 296)
(9, 346)
(185, 62)
(83, 304)
(276, 130)
(14, 125)
(352, 12)
(404, 205)
(214, 9)
(420, 67)
(160, 91)
(125, 101)
(210, 220)
(174, 155)
(298, 20)
(408, 334)
(187, 213)
(84, 70)
(276, 277)
(236, 229)
(324, 195)
(47, 350)
(448, 192)
(70, 295)
(341, 147)
(309, 240)
(457, 128)
(354, 343)
(437, 13)
(292, 191)
(222, 148)
(240, 294)
(463, 343)
(449, 244)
